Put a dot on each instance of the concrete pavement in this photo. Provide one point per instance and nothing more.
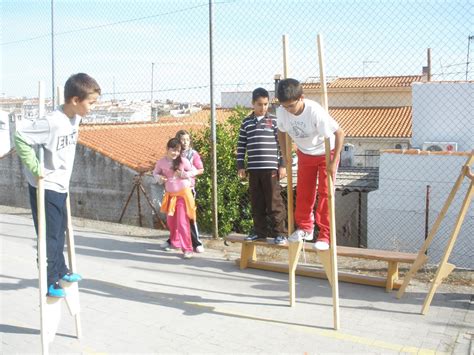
(136, 298)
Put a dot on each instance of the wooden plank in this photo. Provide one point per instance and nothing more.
(372, 254)
(320, 274)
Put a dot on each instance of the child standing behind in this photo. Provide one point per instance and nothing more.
(176, 172)
(258, 139)
(196, 162)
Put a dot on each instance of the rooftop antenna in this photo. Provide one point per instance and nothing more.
(469, 39)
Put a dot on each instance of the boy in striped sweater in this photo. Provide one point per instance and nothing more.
(258, 139)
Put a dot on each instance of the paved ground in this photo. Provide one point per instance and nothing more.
(136, 298)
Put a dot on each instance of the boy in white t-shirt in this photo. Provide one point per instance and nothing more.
(57, 132)
(308, 124)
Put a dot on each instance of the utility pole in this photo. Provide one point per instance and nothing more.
(151, 92)
(52, 57)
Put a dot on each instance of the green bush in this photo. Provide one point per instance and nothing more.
(233, 205)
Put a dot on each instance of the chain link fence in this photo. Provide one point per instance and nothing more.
(399, 78)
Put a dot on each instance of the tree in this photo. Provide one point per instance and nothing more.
(234, 214)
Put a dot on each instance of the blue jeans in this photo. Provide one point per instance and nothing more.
(56, 221)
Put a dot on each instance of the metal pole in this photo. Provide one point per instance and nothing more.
(53, 85)
(427, 213)
(151, 92)
(215, 226)
(428, 56)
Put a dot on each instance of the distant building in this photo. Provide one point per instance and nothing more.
(231, 99)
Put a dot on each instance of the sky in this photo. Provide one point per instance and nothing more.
(117, 41)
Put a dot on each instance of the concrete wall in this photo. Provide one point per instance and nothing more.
(13, 184)
(99, 188)
(443, 112)
(396, 211)
(5, 144)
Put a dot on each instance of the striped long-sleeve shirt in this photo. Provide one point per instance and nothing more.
(259, 139)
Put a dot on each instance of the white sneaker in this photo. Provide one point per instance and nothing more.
(299, 235)
(199, 249)
(188, 254)
(321, 245)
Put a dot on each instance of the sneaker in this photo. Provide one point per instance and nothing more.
(199, 249)
(252, 238)
(188, 254)
(300, 235)
(71, 277)
(321, 245)
(165, 246)
(54, 290)
(280, 240)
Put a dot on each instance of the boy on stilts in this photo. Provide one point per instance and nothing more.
(57, 132)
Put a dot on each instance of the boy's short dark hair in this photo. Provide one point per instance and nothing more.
(80, 85)
(258, 93)
(289, 90)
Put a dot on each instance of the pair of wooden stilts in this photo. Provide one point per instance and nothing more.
(50, 307)
(329, 258)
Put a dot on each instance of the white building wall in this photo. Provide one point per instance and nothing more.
(443, 112)
(239, 98)
(396, 211)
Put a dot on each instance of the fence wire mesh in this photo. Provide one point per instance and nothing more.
(152, 57)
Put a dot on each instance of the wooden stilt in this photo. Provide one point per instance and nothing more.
(422, 258)
(445, 268)
(72, 289)
(50, 308)
(325, 259)
(333, 275)
(294, 250)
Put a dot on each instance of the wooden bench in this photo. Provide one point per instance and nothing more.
(248, 259)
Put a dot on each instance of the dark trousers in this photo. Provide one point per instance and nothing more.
(56, 221)
(266, 202)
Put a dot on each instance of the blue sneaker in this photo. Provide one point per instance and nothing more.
(280, 240)
(71, 277)
(54, 290)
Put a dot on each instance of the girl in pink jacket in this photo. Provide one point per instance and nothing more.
(176, 172)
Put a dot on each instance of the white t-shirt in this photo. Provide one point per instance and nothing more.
(309, 128)
(58, 134)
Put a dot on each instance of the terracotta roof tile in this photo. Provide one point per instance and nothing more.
(140, 145)
(379, 122)
(368, 82)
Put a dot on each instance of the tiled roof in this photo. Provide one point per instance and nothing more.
(140, 145)
(368, 82)
(377, 122)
